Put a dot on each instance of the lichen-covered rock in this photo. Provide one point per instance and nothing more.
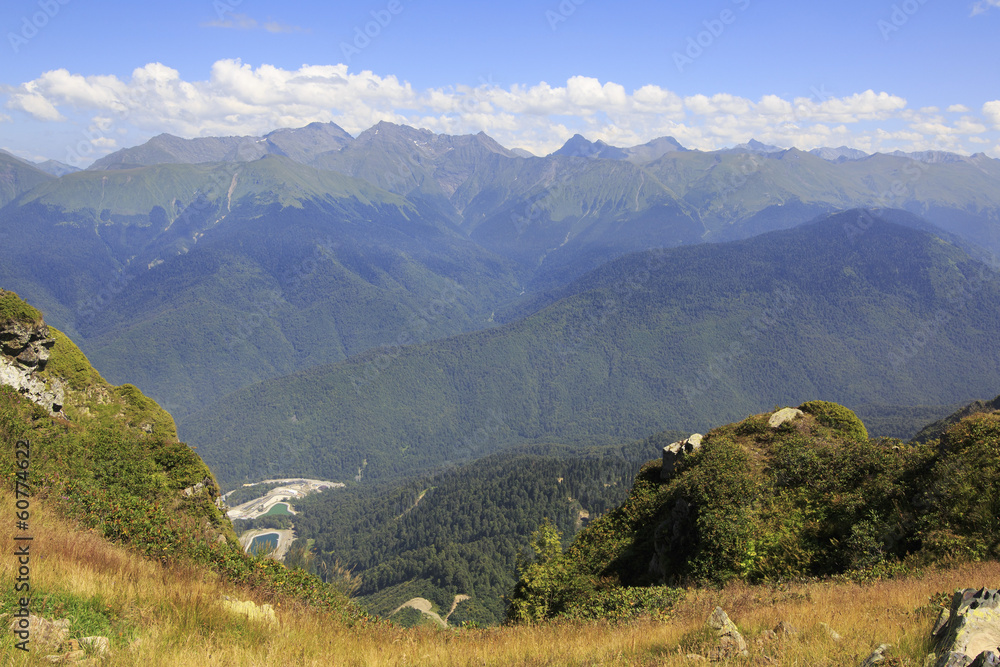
(784, 416)
(43, 631)
(731, 642)
(25, 347)
(972, 630)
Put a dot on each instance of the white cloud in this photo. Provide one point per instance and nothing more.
(982, 6)
(992, 112)
(958, 108)
(239, 99)
(244, 22)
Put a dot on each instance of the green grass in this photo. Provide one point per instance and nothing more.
(13, 308)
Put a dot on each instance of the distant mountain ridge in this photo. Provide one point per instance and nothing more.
(301, 145)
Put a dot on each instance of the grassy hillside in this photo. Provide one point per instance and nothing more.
(109, 463)
(676, 339)
(175, 615)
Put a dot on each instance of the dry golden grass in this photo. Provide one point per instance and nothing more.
(176, 618)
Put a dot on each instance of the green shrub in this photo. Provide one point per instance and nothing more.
(836, 417)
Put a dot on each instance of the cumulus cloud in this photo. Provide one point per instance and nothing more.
(958, 108)
(240, 99)
(992, 112)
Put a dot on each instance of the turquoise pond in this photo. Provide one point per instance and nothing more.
(259, 542)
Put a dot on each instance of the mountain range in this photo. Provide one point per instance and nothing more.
(154, 258)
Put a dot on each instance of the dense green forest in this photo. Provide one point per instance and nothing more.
(671, 339)
(459, 532)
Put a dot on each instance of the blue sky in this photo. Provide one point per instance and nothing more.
(81, 78)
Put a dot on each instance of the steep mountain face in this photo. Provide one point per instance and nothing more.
(742, 194)
(669, 339)
(301, 145)
(195, 280)
(425, 167)
(411, 214)
(520, 205)
(18, 177)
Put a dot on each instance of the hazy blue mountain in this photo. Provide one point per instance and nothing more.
(839, 154)
(195, 280)
(578, 146)
(301, 144)
(676, 339)
(18, 176)
(56, 168)
(754, 146)
(653, 150)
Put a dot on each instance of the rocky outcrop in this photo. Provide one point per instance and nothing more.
(674, 452)
(968, 633)
(24, 351)
(784, 416)
(731, 642)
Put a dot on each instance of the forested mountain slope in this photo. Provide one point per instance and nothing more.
(852, 308)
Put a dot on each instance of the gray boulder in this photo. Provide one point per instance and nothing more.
(674, 452)
(731, 642)
(783, 416)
